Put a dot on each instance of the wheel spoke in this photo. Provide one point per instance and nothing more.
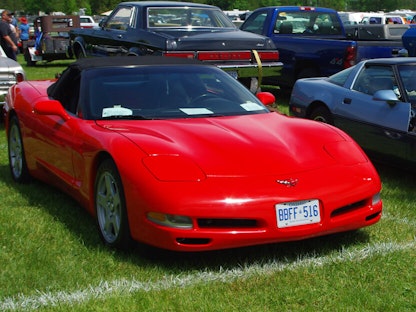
(16, 160)
(109, 208)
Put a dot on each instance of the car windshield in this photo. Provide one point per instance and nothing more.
(165, 92)
(187, 17)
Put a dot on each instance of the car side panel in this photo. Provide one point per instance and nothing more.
(377, 126)
(364, 108)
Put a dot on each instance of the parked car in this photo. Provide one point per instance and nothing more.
(177, 154)
(314, 42)
(11, 72)
(87, 21)
(51, 40)
(381, 18)
(374, 102)
(181, 29)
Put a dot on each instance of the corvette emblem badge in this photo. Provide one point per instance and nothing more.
(288, 182)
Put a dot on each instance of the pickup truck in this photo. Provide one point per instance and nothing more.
(51, 39)
(377, 40)
(181, 29)
(313, 42)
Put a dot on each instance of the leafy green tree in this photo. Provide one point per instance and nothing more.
(35, 6)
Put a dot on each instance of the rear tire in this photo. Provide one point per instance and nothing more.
(110, 207)
(322, 114)
(17, 160)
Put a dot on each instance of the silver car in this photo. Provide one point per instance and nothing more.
(10, 73)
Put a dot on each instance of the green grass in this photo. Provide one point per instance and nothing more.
(51, 257)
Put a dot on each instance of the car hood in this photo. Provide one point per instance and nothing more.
(225, 39)
(260, 144)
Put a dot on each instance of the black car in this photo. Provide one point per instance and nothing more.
(180, 29)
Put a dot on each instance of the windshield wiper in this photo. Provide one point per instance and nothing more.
(127, 117)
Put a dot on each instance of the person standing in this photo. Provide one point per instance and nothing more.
(24, 32)
(7, 36)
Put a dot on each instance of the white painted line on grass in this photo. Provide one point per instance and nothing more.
(124, 286)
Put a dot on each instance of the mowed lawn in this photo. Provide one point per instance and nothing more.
(51, 259)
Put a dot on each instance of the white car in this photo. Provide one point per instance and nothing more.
(87, 22)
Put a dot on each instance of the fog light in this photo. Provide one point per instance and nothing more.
(174, 221)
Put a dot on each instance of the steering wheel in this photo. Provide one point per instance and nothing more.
(203, 97)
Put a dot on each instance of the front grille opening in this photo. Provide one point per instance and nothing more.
(227, 223)
(347, 209)
(193, 241)
(372, 216)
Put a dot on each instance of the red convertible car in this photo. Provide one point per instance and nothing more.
(179, 155)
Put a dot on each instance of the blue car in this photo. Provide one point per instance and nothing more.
(374, 102)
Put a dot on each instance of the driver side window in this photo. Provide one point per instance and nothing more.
(120, 20)
(374, 78)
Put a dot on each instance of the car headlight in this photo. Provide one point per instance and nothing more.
(376, 199)
(174, 221)
(173, 168)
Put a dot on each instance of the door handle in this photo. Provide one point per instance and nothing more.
(347, 101)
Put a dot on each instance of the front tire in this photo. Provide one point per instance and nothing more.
(17, 160)
(110, 207)
(322, 114)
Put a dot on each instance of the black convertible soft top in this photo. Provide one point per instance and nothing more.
(70, 74)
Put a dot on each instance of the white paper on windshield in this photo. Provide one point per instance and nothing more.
(196, 111)
(116, 110)
(251, 106)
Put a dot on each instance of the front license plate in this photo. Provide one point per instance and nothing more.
(298, 213)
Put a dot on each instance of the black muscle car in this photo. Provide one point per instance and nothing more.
(181, 29)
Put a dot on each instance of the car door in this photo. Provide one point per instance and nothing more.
(52, 143)
(379, 126)
(57, 138)
(112, 38)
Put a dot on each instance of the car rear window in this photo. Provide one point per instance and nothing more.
(340, 77)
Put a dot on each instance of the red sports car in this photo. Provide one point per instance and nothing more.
(179, 155)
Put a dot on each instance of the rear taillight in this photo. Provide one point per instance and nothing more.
(190, 55)
(224, 56)
(269, 55)
(350, 56)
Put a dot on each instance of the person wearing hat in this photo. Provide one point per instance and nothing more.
(7, 36)
(24, 32)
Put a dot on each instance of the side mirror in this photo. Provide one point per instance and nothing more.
(102, 22)
(386, 95)
(51, 107)
(266, 98)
